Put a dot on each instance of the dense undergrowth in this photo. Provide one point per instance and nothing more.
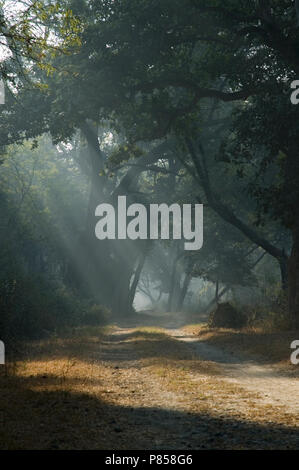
(33, 307)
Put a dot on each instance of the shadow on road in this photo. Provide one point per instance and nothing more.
(64, 420)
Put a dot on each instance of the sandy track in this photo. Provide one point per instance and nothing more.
(263, 379)
(143, 387)
(224, 403)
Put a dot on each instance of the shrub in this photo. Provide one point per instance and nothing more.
(227, 316)
(272, 316)
(96, 315)
(32, 307)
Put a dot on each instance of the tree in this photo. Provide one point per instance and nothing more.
(32, 32)
(149, 68)
(188, 51)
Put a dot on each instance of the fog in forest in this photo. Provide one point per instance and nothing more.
(149, 200)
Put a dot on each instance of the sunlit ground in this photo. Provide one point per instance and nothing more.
(132, 388)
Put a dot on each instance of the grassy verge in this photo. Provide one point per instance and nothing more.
(90, 390)
(269, 347)
(50, 397)
(199, 386)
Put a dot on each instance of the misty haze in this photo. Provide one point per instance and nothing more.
(149, 201)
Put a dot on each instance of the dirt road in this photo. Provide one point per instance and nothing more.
(191, 395)
(145, 387)
(271, 386)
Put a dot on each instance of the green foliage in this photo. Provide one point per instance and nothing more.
(152, 70)
(124, 153)
(31, 308)
(36, 32)
(95, 315)
(42, 196)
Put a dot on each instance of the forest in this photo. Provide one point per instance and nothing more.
(149, 200)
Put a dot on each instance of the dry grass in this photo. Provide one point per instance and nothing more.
(201, 385)
(50, 398)
(268, 347)
(138, 388)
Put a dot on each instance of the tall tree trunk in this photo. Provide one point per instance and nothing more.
(283, 265)
(184, 291)
(220, 295)
(217, 291)
(136, 278)
(121, 287)
(293, 280)
(227, 214)
(103, 278)
(174, 285)
(94, 252)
